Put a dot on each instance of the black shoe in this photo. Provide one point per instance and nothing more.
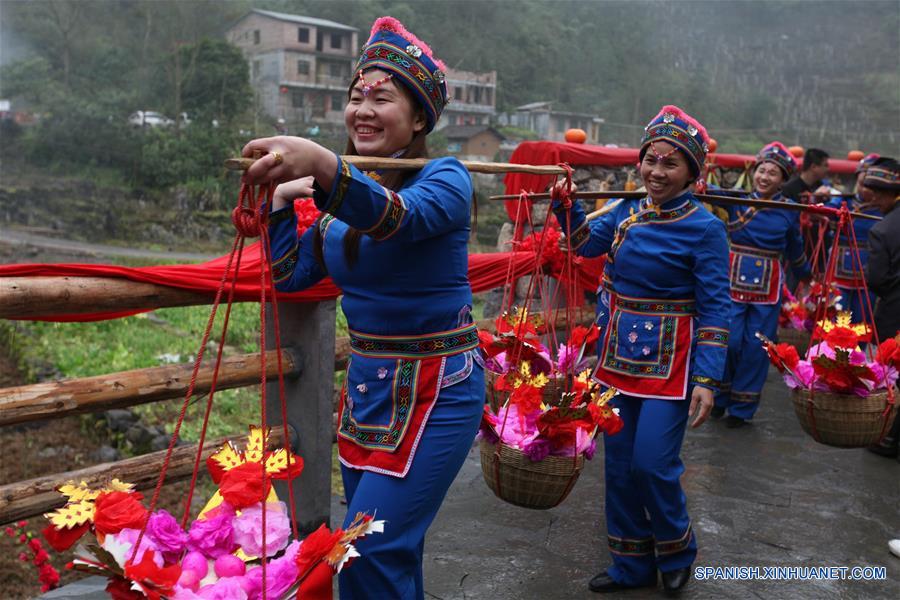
(604, 584)
(717, 412)
(887, 448)
(733, 422)
(673, 581)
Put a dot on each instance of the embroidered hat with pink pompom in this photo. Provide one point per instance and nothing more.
(675, 126)
(409, 60)
(778, 154)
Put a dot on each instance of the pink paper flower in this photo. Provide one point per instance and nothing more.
(168, 535)
(248, 529)
(213, 535)
(281, 573)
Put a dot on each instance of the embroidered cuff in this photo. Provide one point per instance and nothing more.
(712, 336)
(580, 236)
(391, 219)
(630, 547)
(675, 546)
(283, 268)
(331, 202)
(707, 382)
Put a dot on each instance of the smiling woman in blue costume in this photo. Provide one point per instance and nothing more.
(760, 239)
(666, 286)
(396, 244)
(848, 276)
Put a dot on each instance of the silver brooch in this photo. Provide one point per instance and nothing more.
(382, 372)
(362, 388)
(692, 131)
(414, 51)
(439, 76)
(668, 117)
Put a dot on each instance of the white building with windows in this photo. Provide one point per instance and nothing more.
(299, 66)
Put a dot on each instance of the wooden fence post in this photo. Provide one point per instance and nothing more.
(309, 330)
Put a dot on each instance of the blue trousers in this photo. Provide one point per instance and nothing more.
(390, 567)
(854, 301)
(747, 364)
(646, 512)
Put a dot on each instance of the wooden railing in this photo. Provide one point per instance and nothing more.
(311, 355)
(307, 334)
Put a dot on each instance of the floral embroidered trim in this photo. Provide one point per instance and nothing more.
(339, 187)
(707, 382)
(403, 397)
(656, 306)
(630, 547)
(445, 343)
(283, 268)
(673, 546)
(712, 336)
(745, 396)
(416, 72)
(391, 219)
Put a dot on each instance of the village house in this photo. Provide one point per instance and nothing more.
(551, 124)
(473, 142)
(299, 66)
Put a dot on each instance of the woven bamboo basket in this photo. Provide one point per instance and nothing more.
(797, 338)
(516, 479)
(843, 420)
(495, 399)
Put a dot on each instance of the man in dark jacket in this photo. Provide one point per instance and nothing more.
(814, 170)
(883, 268)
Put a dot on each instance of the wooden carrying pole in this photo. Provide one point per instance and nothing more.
(25, 499)
(711, 198)
(128, 388)
(372, 163)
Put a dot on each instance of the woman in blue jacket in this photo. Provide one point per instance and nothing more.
(396, 244)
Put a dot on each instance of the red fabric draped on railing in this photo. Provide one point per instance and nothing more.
(486, 271)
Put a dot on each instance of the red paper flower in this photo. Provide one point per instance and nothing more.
(115, 511)
(120, 589)
(782, 355)
(307, 214)
(527, 397)
(63, 539)
(243, 485)
(606, 419)
(889, 353)
(584, 336)
(842, 337)
(560, 426)
(154, 581)
(315, 547)
(839, 375)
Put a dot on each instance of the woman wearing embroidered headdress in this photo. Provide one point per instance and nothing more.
(848, 276)
(761, 238)
(664, 344)
(396, 244)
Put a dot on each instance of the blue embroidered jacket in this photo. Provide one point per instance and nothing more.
(410, 280)
(846, 268)
(760, 239)
(677, 251)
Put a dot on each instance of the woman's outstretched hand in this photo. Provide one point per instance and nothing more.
(286, 158)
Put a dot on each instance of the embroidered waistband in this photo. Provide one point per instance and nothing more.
(656, 305)
(444, 343)
(772, 254)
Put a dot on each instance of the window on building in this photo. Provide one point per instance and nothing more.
(336, 40)
(338, 101)
(458, 93)
(303, 35)
(256, 37)
(302, 67)
(255, 69)
(297, 99)
(336, 69)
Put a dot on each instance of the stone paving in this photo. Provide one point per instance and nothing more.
(764, 495)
